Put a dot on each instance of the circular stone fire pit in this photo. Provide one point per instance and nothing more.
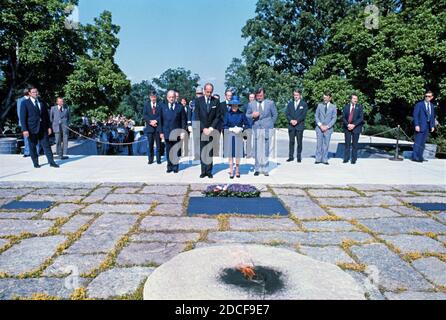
(239, 272)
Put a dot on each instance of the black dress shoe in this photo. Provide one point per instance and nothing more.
(353, 162)
(299, 160)
(237, 175)
(424, 160)
(36, 166)
(64, 157)
(202, 176)
(326, 163)
(266, 174)
(150, 162)
(317, 162)
(26, 155)
(158, 162)
(256, 173)
(417, 160)
(345, 161)
(169, 170)
(210, 176)
(231, 176)
(175, 171)
(290, 159)
(54, 165)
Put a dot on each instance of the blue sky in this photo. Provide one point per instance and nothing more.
(200, 35)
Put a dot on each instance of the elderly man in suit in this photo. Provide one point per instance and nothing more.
(35, 123)
(173, 129)
(208, 115)
(325, 120)
(424, 121)
(60, 120)
(296, 112)
(263, 114)
(152, 118)
(352, 120)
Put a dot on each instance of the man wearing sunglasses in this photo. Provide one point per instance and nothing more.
(424, 121)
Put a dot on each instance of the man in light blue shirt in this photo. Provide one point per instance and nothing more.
(19, 104)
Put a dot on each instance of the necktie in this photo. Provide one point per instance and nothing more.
(350, 116)
(153, 109)
(170, 107)
(326, 107)
(295, 105)
(208, 104)
(428, 109)
(260, 107)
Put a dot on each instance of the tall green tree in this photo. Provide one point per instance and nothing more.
(178, 79)
(390, 66)
(36, 48)
(237, 77)
(97, 81)
(132, 104)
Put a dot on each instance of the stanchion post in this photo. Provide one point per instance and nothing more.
(397, 149)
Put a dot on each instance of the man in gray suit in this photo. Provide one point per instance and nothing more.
(263, 114)
(60, 119)
(325, 120)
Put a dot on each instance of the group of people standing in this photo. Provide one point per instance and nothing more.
(37, 124)
(207, 120)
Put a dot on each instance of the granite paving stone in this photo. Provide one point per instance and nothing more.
(433, 269)
(169, 210)
(26, 288)
(406, 211)
(165, 190)
(165, 237)
(116, 208)
(411, 243)
(236, 223)
(62, 211)
(75, 223)
(414, 295)
(16, 227)
(118, 282)
(363, 213)
(157, 223)
(295, 237)
(74, 264)
(18, 215)
(97, 195)
(327, 193)
(103, 234)
(29, 254)
(303, 207)
(359, 201)
(404, 225)
(328, 226)
(289, 192)
(146, 253)
(330, 254)
(393, 273)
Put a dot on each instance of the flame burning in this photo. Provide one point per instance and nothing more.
(247, 271)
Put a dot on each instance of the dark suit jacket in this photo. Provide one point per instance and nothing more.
(171, 120)
(148, 116)
(33, 119)
(211, 119)
(299, 114)
(224, 111)
(421, 117)
(358, 117)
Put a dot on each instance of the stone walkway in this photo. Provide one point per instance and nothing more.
(102, 241)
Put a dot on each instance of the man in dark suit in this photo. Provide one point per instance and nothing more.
(352, 120)
(208, 114)
(60, 120)
(424, 121)
(296, 112)
(152, 118)
(173, 129)
(35, 123)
